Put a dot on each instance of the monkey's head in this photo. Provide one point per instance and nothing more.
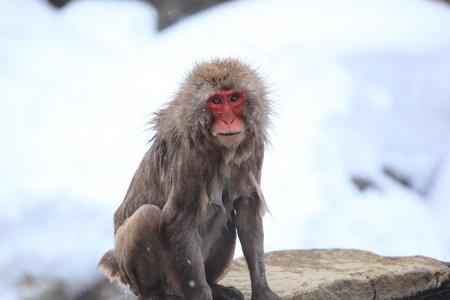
(224, 101)
(226, 107)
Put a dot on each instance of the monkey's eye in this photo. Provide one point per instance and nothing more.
(216, 101)
(234, 98)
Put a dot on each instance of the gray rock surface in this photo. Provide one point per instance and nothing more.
(341, 274)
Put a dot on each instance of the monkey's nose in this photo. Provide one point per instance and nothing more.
(228, 121)
(228, 117)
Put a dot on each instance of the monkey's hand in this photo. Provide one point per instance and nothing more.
(221, 292)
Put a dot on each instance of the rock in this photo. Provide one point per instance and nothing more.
(341, 274)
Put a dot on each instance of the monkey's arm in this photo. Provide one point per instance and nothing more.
(250, 231)
(181, 241)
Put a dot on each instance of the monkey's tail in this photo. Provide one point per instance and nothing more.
(109, 265)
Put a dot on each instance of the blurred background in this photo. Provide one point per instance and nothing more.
(360, 147)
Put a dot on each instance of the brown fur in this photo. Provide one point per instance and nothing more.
(190, 193)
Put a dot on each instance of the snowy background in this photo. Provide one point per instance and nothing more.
(360, 87)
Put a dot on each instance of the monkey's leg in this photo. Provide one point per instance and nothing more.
(250, 230)
(139, 253)
(218, 262)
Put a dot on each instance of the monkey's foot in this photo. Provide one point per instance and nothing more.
(220, 292)
(264, 294)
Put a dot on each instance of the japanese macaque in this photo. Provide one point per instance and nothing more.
(198, 184)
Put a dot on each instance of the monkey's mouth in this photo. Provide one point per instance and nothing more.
(229, 133)
(229, 139)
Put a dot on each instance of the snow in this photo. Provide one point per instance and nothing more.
(358, 86)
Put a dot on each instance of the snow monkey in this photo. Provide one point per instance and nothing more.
(198, 184)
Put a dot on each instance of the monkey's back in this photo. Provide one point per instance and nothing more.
(145, 187)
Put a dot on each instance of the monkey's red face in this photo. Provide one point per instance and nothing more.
(228, 126)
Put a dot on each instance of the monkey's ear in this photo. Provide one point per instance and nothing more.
(109, 265)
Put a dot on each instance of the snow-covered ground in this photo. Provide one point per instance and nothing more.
(358, 86)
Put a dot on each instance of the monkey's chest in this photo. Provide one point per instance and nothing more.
(211, 227)
(220, 204)
(224, 195)
(213, 224)
(217, 214)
